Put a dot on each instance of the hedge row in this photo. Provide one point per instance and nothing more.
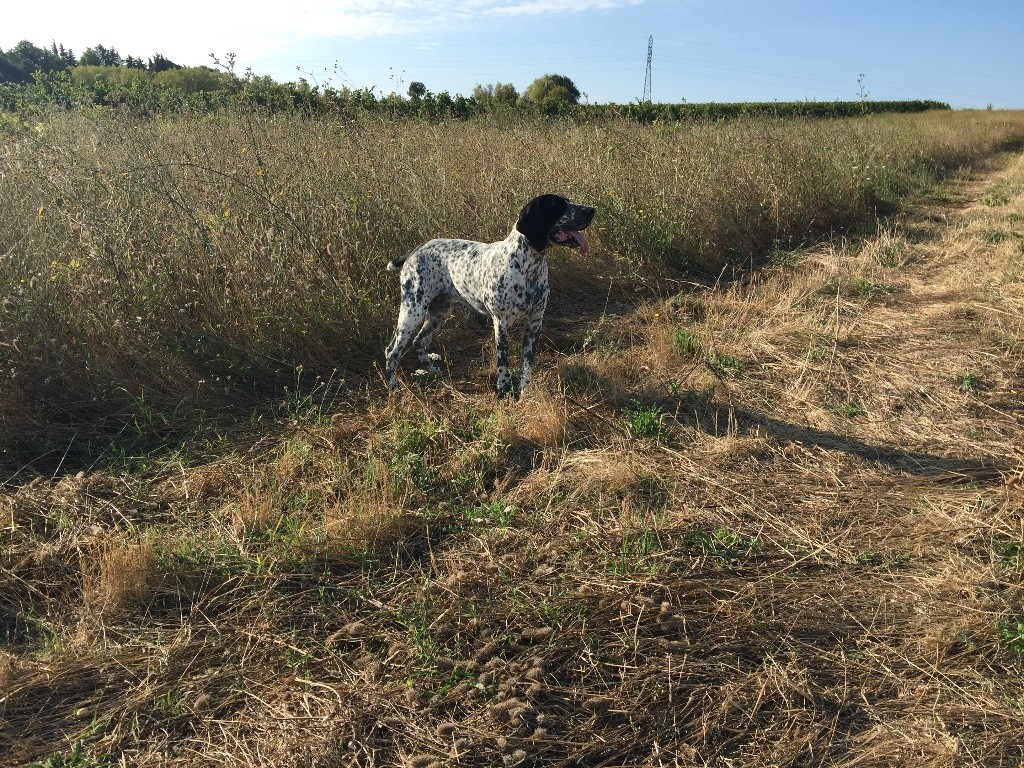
(146, 97)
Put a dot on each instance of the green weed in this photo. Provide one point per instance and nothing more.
(968, 382)
(891, 255)
(1011, 554)
(580, 379)
(725, 366)
(644, 422)
(723, 545)
(995, 199)
(869, 290)
(850, 410)
(687, 343)
(1011, 634)
(634, 553)
(76, 758)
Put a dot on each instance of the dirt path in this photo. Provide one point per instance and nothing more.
(910, 340)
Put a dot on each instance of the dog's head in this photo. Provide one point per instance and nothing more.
(553, 219)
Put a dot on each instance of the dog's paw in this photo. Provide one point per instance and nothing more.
(507, 393)
(431, 364)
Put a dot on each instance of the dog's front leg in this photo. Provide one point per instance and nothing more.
(531, 337)
(503, 386)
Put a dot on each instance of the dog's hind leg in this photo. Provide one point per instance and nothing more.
(440, 309)
(409, 319)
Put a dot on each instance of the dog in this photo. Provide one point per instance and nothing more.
(506, 281)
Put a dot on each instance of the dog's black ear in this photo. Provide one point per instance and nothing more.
(539, 216)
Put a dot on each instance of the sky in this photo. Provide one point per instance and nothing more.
(969, 53)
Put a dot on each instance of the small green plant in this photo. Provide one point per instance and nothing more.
(497, 513)
(310, 402)
(634, 552)
(725, 366)
(76, 758)
(687, 343)
(644, 422)
(1011, 634)
(995, 199)
(891, 255)
(996, 236)
(968, 382)
(723, 545)
(870, 290)
(577, 379)
(1011, 554)
(850, 410)
(815, 352)
(781, 257)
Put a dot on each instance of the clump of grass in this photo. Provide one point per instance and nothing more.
(870, 290)
(77, 757)
(642, 421)
(850, 410)
(1011, 634)
(968, 382)
(687, 343)
(125, 576)
(725, 366)
(723, 545)
(996, 198)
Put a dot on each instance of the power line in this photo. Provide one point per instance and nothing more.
(844, 61)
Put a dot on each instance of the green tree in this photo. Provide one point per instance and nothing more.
(417, 90)
(194, 79)
(160, 63)
(30, 58)
(500, 93)
(101, 56)
(506, 93)
(551, 92)
(64, 54)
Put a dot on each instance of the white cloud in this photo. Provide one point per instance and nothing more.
(187, 31)
(536, 7)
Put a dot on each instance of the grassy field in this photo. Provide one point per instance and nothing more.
(155, 271)
(763, 511)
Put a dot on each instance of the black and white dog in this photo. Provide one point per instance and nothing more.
(506, 281)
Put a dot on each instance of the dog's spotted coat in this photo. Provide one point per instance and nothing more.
(506, 281)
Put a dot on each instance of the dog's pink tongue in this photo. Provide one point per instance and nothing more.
(582, 240)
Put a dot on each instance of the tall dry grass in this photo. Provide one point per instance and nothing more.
(151, 268)
(771, 522)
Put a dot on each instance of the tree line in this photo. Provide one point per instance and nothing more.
(23, 61)
(32, 77)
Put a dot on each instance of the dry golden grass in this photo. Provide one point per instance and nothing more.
(119, 578)
(161, 270)
(771, 520)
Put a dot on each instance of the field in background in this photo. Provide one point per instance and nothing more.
(764, 510)
(154, 270)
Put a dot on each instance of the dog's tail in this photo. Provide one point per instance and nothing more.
(396, 263)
